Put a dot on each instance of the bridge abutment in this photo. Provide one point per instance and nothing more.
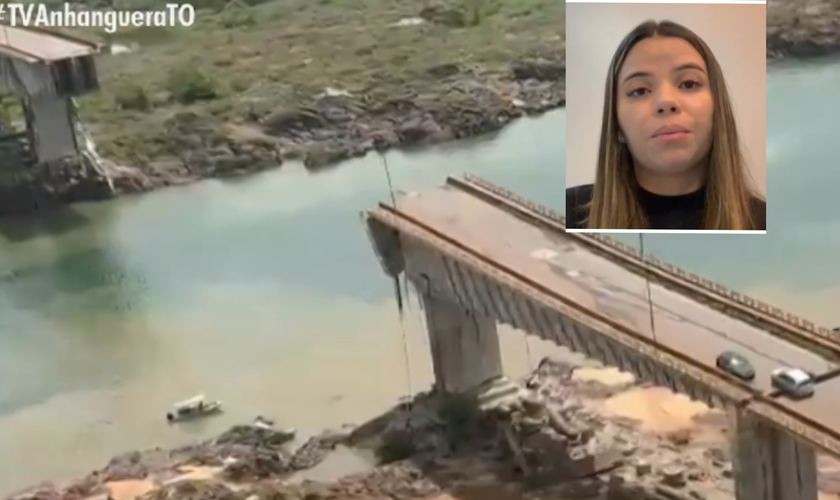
(465, 346)
(769, 464)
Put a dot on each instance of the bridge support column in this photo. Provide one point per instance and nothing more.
(769, 464)
(465, 346)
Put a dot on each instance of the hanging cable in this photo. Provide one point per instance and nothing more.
(722, 334)
(398, 292)
(381, 153)
(647, 283)
(406, 356)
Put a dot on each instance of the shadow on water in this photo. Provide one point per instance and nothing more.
(57, 223)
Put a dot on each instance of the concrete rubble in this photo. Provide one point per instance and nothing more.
(554, 439)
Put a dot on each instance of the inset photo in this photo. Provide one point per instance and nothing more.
(666, 117)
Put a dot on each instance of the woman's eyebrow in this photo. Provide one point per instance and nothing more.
(686, 66)
(682, 67)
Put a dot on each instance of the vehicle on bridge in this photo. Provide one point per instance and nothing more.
(794, 382)
(736, 365)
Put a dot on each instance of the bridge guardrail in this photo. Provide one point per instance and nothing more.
(661, 265)
(799, 424)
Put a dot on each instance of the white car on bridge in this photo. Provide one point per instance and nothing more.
(794, 382)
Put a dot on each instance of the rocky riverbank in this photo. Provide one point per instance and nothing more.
(800, 29)
(571, 433)
(442, 102)
(453, 102)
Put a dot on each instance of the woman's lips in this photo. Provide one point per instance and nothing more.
(671, 136)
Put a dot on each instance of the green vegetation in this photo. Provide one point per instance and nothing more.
(249, 58)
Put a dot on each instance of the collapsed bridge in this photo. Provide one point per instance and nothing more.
(480, 255)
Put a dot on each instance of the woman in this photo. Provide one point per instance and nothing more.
(669, 156)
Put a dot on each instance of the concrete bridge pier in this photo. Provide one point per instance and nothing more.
(465, 346)
(769, 464)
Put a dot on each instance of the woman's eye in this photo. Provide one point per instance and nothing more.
(691, 84)
(637, 92)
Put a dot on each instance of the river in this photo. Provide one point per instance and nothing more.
(264, 291)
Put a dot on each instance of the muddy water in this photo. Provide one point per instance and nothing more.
(264, 293)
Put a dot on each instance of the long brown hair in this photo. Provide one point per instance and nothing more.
(615, 203)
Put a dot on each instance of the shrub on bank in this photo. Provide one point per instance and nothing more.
(190, 85)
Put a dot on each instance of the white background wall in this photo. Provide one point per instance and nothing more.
(735, 33)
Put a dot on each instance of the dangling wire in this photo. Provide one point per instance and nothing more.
(406, 356)
(647, 283)
(387, 174)
(398, 292)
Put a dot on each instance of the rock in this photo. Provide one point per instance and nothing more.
(674, 477)
(192, 490)
(43, 187)
(717, 456)
(418, 131)
(323, 155)
(445, 70)
(642, 467)
(45, 492)
(124, 467)
(250, 435)
(538, 69)
(680, 438)
(802, 29)
(258, 465)
(316, 449)
(297, 120)
(628, 449)
(616, 482)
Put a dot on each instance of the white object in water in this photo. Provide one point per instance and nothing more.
(196, 406)
(263, 423)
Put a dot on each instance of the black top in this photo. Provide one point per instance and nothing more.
(663, 212)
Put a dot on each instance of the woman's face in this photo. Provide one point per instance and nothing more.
(665, 106)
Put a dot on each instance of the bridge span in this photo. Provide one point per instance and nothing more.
(480, 255)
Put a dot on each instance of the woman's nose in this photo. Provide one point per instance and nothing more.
(666, 102)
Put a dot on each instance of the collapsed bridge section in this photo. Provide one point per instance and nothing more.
(477, 263)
